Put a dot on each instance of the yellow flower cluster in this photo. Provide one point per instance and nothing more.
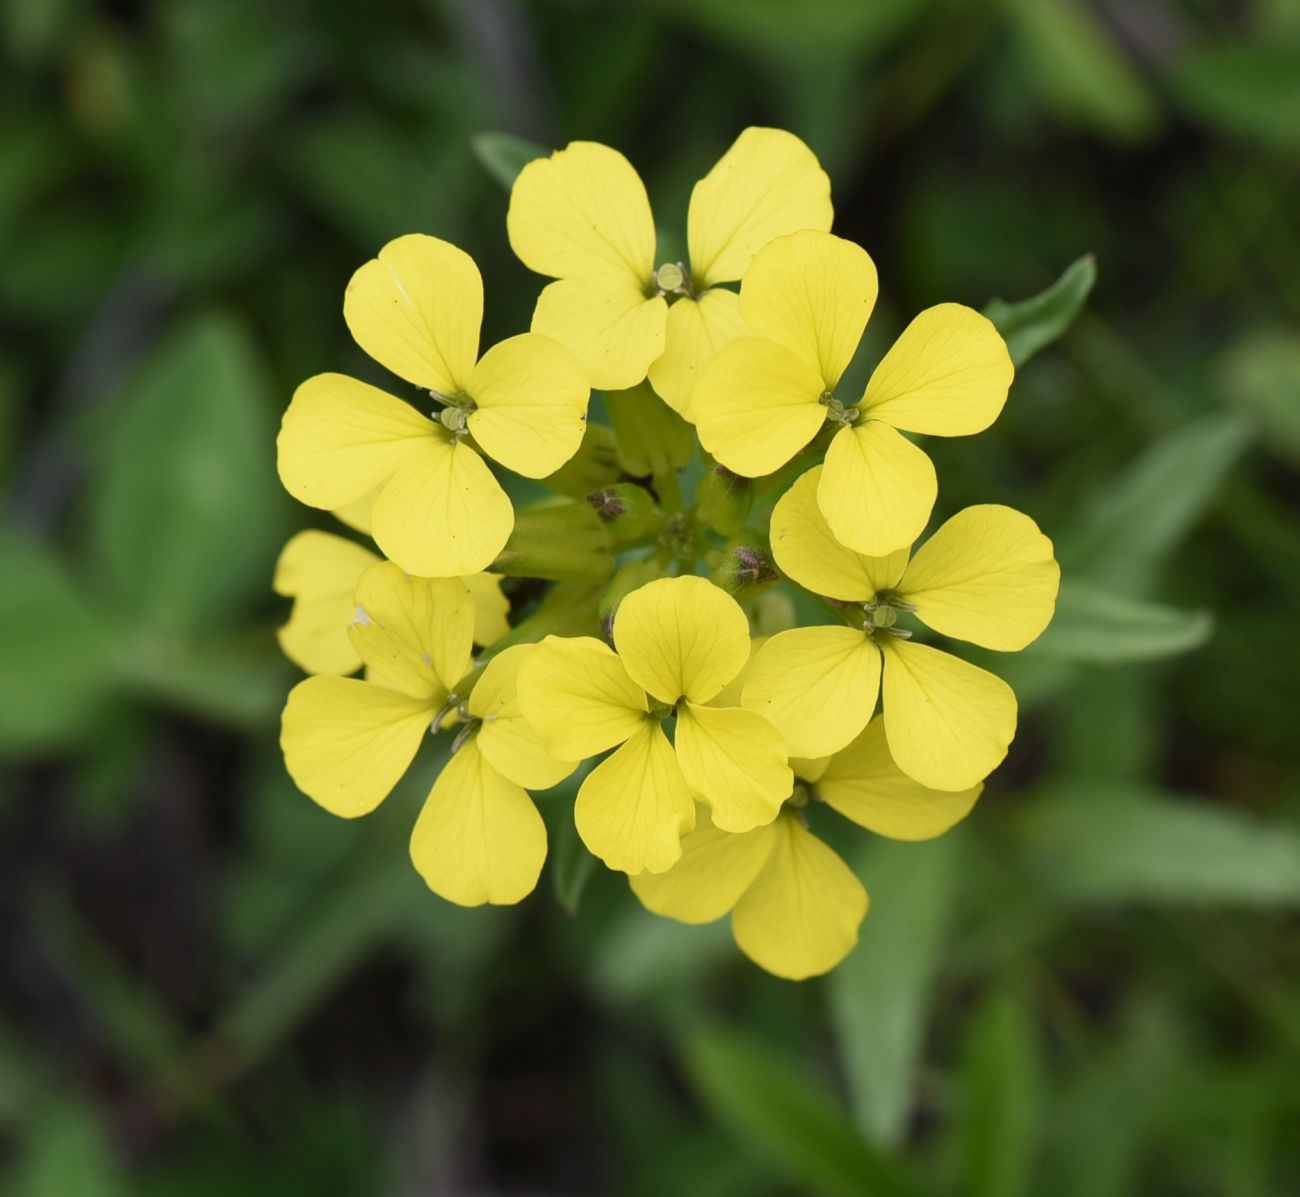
(663, 667)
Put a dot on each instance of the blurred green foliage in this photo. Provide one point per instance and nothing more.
(207, 985)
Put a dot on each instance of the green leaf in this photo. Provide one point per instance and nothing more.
(880, 995)
(1080, 70)
(55, 648)
(1249, 87)
(1097, 626)
(780, 1113)
(1000, 1087)
(67, 1151)
(1130, 528)
(187, 514)
(1033, 324)
(1261, 374)
(503, 155)
(571, 865)
(1128, 844)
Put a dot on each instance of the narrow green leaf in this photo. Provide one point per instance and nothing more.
(777, 1111)
(196, 427)
(880, 995)
(1097, 626)
(571, 865)
(1000, 1084)
(54, 646)
(1249, 87)
(1261, 374)
(1034, 323)
(67, 1151)
(503, 155)
(1128, 844)
(1127, 531)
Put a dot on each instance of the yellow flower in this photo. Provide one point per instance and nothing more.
(438, 511)
(680, 641)
(795, 906)
(762, 398)
(347, 742)
(320, 572)
(582, 217)
(986, 576)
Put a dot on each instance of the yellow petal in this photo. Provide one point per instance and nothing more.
(948, 722)
(509, 742)
(735, 763)
(801, 916)
(697, 329)
(582, 212)
(491, 607)
(863, 784)
(479, 837)
(807, 551)
(877, 489)
(346, 742)
(416, 309)
(576, 693)
(947, 375)
(812, 293)
(634, 807)
(816, 686)
(609, 324)
(681, 637)
(319, 571)
(414, 634)
(356, 515)
(443, 514)
(987, 576)
(756, 405)
(532, 404)
(716, 868)
(766, 185)
(341, 439)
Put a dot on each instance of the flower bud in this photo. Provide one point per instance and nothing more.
(627, 510)
(594, 465)
(556, 540)
(723, 500)
(627, 578)
(652, 438)
(744, 570)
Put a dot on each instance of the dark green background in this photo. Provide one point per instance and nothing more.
(209, 986)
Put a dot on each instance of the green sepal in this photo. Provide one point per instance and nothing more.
(629, 511)
(723, 499)
(653, 440)
(629, 576)
(558, 541)
(594, 465)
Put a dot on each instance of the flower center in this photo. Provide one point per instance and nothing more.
(836, 412)
(455, 412)
(673, 278)
(881, 615)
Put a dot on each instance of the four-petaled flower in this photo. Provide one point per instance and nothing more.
(795, 906)
(438, 511)
(763, 397)
(348, 741)
(582, 217)
(680, 641)
(986, 576)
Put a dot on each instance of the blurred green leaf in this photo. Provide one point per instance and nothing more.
(67, 1152)
(779, 1113)
(880, 995)
(1000, 1084)
(54, 645)
(1033, 324)
(1249, 87)
(1261, 375)
(570, 863)
(503, 155)
(187, 513)
(1117, 843)
(1081, 71)
(1096, 626)
(1130, 527)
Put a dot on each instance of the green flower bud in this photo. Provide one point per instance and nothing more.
(723, 500)
(629, 511)
(652, 438)
(627, 578)
(745, 570)
(557, 540)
